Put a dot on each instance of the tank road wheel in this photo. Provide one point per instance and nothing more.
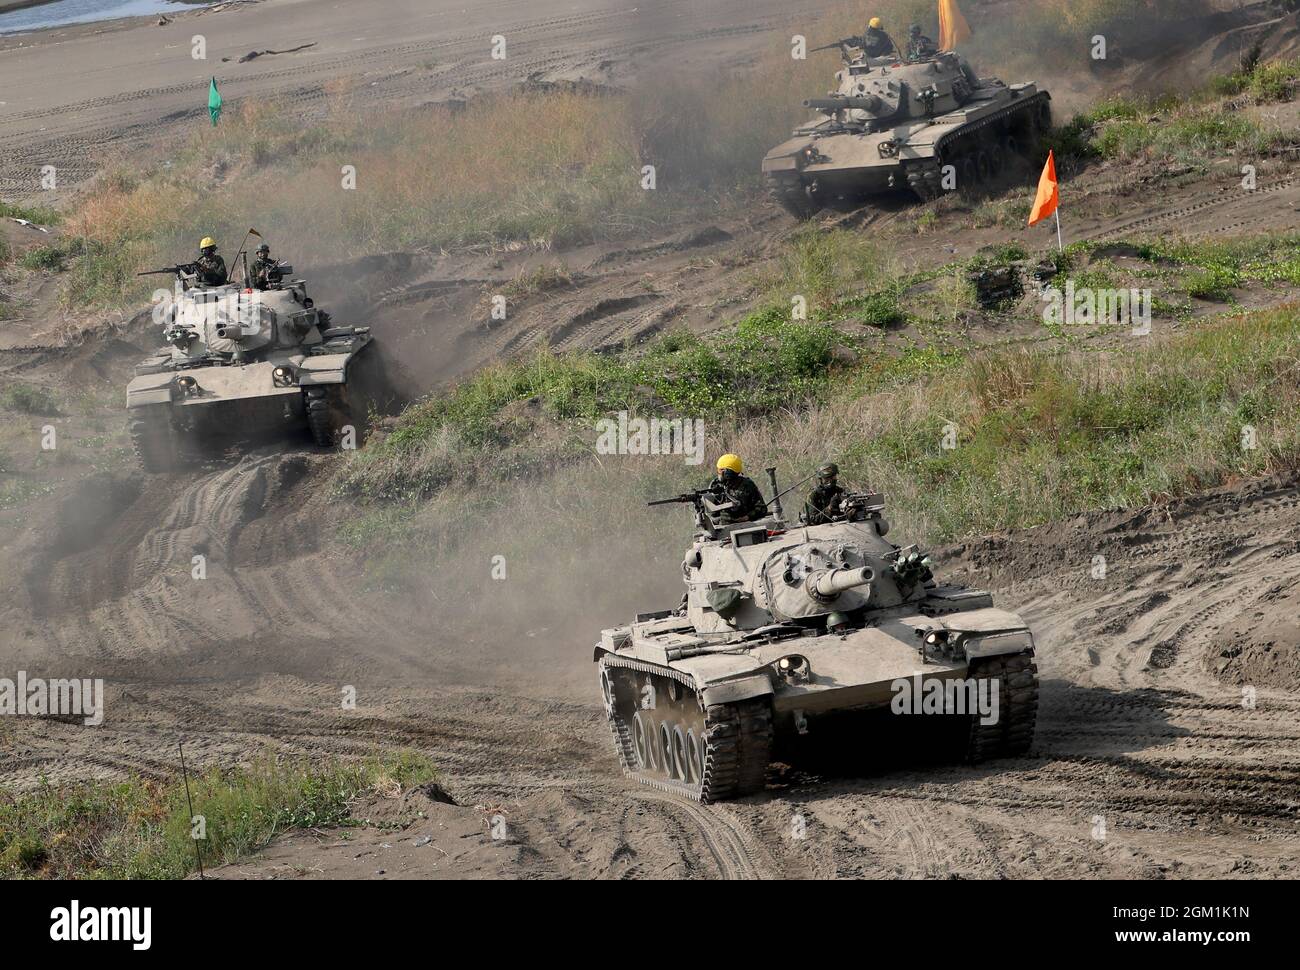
(681, 754)
(327, 414)
(793, 196)
(968, 184)
(997, 160)
(667, 752)
(153, 438)
(1013, 732)
(680, 746)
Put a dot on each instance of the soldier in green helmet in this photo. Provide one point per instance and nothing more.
(826, 503)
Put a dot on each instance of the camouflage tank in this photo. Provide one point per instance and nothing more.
(239, 362)
(788, 632)
(895, 124)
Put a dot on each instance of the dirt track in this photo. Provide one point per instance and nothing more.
(1142, 726)
(1132, 727)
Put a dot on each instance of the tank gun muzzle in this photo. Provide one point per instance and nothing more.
(827, 584)
(869, 103)
(232, 331)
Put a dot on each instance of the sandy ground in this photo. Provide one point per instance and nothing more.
(1142, 731)
(109, 90)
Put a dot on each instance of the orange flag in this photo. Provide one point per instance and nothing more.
(953, 28)
(1049, 195)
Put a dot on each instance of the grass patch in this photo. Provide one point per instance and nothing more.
(140, 829)
(39, 214)
(1043, 433)
(519, 417)
(28, 399)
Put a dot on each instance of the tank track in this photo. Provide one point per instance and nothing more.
(789, 193)
(736, 738)
(1013, 733)
(924, 176)
(326, 414)
(152, 438)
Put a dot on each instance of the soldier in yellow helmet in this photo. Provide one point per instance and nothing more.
(746, 499)
(209, 267)
(875, 42)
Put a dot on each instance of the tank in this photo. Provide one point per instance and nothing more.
(895, 124)
(241, 362)
(791, 632)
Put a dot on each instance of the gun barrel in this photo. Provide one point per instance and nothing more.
(829, 583)
(680, 499)
(868, 103)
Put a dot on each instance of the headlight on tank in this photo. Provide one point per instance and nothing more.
(187, 384)
(283, 376)
(794, 669)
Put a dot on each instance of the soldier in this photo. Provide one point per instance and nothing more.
(265, 271)
(209, 267)
(919, 46)
(875, 42)
(740, 491)
(826, 503)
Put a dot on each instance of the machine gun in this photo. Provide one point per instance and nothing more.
(187, 273)
(181, 270)
(695, 498)
(841, 45)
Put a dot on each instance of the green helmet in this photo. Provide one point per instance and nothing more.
(828, 471)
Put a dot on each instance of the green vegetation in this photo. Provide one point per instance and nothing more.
(1190, 130)
(1264, 83)
(28, 399)
(47, 258)
(1041, 434)
(40, 215)
(140, 829)
(767, 361)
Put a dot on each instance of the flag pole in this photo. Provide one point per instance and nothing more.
(1060, 244)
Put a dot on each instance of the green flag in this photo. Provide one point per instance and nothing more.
(214, 102)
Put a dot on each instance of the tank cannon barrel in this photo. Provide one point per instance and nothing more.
(232, 331)
(868, 103)
(829, 583)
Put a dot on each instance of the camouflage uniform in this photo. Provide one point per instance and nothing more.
(876, 43)
(919, 46)
(743, 494)
(825, 504)
(263, 267)
(211, 270)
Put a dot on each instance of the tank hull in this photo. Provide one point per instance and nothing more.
(666, 708)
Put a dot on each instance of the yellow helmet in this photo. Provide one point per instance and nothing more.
(731, 462)
(876, 23)
(207, 241)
